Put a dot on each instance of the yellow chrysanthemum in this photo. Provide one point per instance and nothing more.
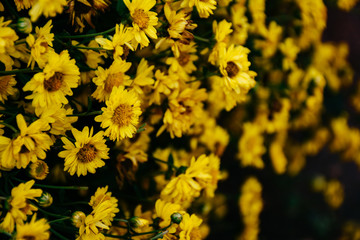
(86, 154)
(144, 20)
(164, 210)
(34, 230)
(106, 79)
(39, 170)
(7, 84)
(20, 206)
(48, 8)
(121, 114)
(190, 227)
(40, 45)
(29, 146)
(55, 82)
(205, 7)
(23, 4)
(143, 78)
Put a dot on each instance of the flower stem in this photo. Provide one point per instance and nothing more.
(121, 220)
(201, 39)
(59, 220)
(58, 234)
(24, 70)
(9, 126)
(49, 213)
(88, 35)
(90, 48)
(57, 187)
(85, 114)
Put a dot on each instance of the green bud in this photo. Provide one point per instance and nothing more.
(24, 25)
(176, 218)
(45, 200)
(136, 222)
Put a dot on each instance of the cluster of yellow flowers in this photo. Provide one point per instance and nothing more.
(144, 96)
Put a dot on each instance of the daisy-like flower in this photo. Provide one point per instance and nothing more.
(55, 82)
(19, 205)
(205, 7)
(7, 84)
(121, 114)
(23, 4)
(35, 230)
(144, 20)
(48, 8)
(164, 210)
(190, 227)
(39, 170)
(86, 154)
(106, 79)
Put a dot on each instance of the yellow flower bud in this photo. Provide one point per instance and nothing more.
(24, 25)
(78, 218)
(45, 199)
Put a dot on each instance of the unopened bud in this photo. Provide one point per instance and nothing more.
(45, 199)
(176, 218)
(24, 25)
(78, 218)
(137, 222)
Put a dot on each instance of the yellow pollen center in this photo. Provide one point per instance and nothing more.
(140, 18)
(184, 58)
(4, 82)
(87, 153)
(113, 80)
(54, 83)
(232, 69)
(122, 115)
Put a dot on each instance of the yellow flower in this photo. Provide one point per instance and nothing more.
(164, 85)
(20, 206)
(144, 20)
(7, 41)
(257, 10)
(334, 193)
(23, 4)
(251, 205)
(86, 154)
(143, 78)
(272, 37)
(48, 8)
(205, 7)
(121, 114)
(290, 51)
(251, 146)
(7, 84)
(29, 145)
(190, 227)
(39, 170)
(120, 42)
(50, 87)
(107, 79)
(234, 66)
(240, 23)
(164, 210)
(41, 45)
(222, 32)
(35, 230)
(278, 158)
(346, 5)
(184, 108)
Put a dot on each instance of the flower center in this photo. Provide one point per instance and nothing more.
(140, 18)
(54, 83)
(122, 115)
(4, 82)
(113, 80)
(87, 153)
(184, 58)
(232, 69)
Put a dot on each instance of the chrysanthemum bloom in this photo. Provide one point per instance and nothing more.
(48, 8)
(86, 154)
(40, 45)
(23, 4)
(222, 31)
(34, 230)
(104, 210)
(7, 84)
(106, 79)
(20, 206)
(251, 146)
(55, 82)
(164, 210)
(29, 146)
(144, 20)
(143, 78)
(190, 227)
(121, 114)
(204, 7)
(234, 66)
(120, 43)
(39, 170)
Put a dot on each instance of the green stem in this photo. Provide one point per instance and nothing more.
(20, 41)
(90, 48)
(49, 213)
(9, 126)
(85, 114)
(115, 236)
(89, 35)
(201, 39)
(162, 161)
(121, 220)
(59, 220)
(57, 187)
(24, 70)
(3, 198)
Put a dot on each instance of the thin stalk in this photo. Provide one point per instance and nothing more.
(58, 234)
(9, 126)
(57, 187)
(89, 35)
(59, 220)
(24, 70)
(201, 39)
(85, 114)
